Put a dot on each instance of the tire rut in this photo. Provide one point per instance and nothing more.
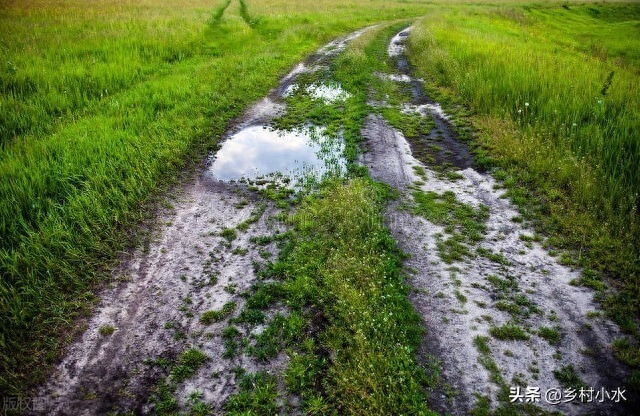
(203, 258)
(505, 280)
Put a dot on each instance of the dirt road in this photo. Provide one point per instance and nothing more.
(499, 311)
(507, 281)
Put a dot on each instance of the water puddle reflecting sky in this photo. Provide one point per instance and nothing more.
(327, 93)
(258, 152)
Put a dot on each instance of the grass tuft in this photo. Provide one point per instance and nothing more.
(552, 335)
(188, 364)
(568, 377)
(209, 317)
(106, 330)
(509, 332)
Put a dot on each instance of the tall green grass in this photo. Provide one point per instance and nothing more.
(556, 95)
(100, 105)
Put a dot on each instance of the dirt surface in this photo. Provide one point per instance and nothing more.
(188, 269)
(458, 301)
(152, 313)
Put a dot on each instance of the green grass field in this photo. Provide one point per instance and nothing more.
(555, 99)
(100, 107)
(103, 105)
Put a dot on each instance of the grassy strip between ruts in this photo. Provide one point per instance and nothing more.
(556, 109)
(345, 265)
(351, 333)
(84, 145)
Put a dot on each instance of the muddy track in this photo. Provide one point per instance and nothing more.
(204, 256)
(188, 269)
(194, 264)
(507, 279)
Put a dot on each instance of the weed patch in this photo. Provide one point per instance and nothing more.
(510, 299)
(552, 335)
(495, 257)
(188, 364)
(626, 351)
(281, 332)
(209, 317)
(257, 395)
(229, 234)
(568, 377)
(107, 330)
(509, 332)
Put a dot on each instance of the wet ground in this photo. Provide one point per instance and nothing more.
(442, 146)
(506, 279)
(205, 254)
(157, 300)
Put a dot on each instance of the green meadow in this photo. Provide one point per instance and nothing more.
(101, 107)
(553, 95)
(105, 105)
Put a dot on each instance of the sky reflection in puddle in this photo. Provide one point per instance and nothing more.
(258, 152)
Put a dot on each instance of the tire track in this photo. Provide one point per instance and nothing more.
(218, 13)
(503, 314)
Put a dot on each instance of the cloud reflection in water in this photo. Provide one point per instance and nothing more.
(257, 151)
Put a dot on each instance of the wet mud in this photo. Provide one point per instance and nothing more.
(442, 147)
(204, 256)
(506, 278)
(155, 305)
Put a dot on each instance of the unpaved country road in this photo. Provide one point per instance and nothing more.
(462, 300)
(188, 269)
(191, 266)
(194, 264)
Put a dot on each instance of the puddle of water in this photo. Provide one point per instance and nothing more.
(339, 45)
(316, 62)
(294, 158)
(396, 46)
(426, 109)
(441, 147)
(293, 74)
(396, 78)
(327, 93)
(258, 152)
